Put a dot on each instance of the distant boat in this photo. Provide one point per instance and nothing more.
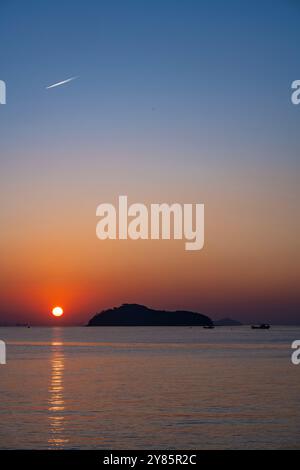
(263, 326)
(208, 327)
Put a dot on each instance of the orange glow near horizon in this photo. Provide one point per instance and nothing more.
(57, 311)
(244, 267)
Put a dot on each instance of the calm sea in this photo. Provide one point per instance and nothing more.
(143, 388)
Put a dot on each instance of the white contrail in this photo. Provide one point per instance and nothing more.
(61, 83)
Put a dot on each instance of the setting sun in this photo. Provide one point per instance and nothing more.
(57, 311)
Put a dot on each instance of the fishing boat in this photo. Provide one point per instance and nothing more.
(263, 326)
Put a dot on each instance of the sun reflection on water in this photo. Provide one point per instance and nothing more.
(56, 400)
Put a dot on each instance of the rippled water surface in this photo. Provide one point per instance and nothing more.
(135, 388)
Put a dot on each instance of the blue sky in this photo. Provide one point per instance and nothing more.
(201, 66)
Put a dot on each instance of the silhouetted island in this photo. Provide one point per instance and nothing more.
(139, 315)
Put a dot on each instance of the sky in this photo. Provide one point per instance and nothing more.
(175, 101)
